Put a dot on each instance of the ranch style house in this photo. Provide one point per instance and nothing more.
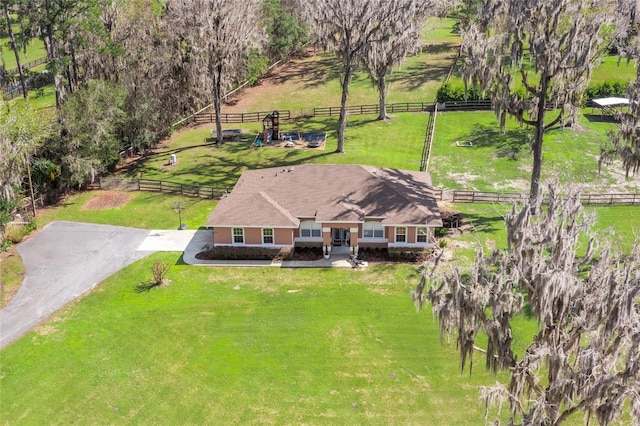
(329, 206)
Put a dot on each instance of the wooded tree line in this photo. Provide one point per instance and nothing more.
(124, 70)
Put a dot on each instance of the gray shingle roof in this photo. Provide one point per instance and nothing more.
(277, 197)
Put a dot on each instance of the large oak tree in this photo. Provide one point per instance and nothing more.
(348, 28)
(534, 58)
(217, 39)
(585, 357)
(398, 38)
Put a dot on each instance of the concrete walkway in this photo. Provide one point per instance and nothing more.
(202, 239)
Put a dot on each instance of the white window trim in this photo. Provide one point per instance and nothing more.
(273, 236)
(373, 229)
(395, 231)
(426, 234)
(311, 226)
(233, 237)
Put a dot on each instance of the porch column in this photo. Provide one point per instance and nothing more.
(353, 235)
(326, 240)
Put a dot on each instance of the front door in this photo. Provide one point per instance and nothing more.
(341, 237)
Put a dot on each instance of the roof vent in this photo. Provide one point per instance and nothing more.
(290, 169)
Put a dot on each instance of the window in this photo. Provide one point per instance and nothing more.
(238, 236)
(423, 234)
(401, 234)
(267, 236)
(310, 228)
(372, 230)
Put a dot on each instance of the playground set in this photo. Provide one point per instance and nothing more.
(272, 136)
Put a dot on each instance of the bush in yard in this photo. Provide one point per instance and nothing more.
(450, 93)
(159, 271)
(245, 253)
(440, 232)
(13, 233)
(605, 89)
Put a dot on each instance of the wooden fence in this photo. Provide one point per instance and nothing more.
(630, 199)
(30, 65)
(190, 190)
(484, 105)
(617, 199)
(456, 196)
(428, 140)
(241, 117)
(253, 117)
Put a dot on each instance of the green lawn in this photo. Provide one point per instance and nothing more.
(35, 50)
(501, 161)
(619, 225)
(497, 161)
(614, 69)
(243, 346)
(395, 143)
(314, 81)
(42, 100)
(146, 210)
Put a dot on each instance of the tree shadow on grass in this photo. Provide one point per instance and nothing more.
(484, 224)
(416, 76)
(144, 287)
(600, 118)
(438, 48)
(507, 144)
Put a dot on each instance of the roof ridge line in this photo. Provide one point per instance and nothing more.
(281, 209)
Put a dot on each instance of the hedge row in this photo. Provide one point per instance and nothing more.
(449, 93)
(457, 93)
(606, 89)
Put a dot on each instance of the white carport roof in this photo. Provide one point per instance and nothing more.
(604, 102)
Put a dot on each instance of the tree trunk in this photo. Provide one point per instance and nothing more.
(217, 101)
(342, 125)
(58, 81)
(537, 146)
(52, 53)
(382, 90)
(23, 82)
(537, 165)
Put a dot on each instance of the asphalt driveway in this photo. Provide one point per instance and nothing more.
(63, 261)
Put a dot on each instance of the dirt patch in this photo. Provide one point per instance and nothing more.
(284, 78)
(106, 200)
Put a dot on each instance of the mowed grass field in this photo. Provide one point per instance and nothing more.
(243, 346)
(313, 80)
(396, 143)
(275, 346)
(501, 161)
(35, 50)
